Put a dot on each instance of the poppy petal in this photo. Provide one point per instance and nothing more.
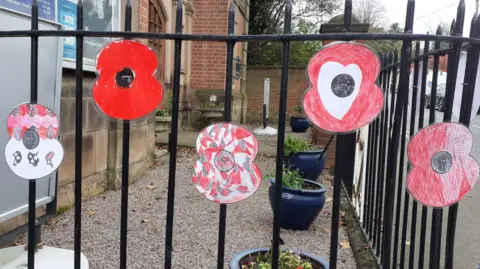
(443, 169)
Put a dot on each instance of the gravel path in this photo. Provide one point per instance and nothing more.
(249, 224)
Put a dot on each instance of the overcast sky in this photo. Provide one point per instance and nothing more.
(428, 13)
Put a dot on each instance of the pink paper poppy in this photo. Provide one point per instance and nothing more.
(443, 170)
(225, 172)
(343, 95)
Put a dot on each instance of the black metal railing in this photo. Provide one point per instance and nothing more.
(387, 134)
(378, 227)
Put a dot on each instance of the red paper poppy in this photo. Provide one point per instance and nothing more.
(343, 95)
(443, 170)
(225, 172)
(126, 87)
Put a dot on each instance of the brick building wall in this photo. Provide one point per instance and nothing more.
(297, 85)
(209, 59)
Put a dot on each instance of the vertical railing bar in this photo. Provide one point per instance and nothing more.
(374, 196)
(227, 115)
(437, 213)
(394, 91)
(383, 135)
(421, 118)
(340, 148)
(393, 149)
(281, 137)
(32, 184)
(413, 226)
(366, 205)
(399, 184)
(78, 138)
(125, 165)
(400, 180)
(464, 118)
(385, 140)
(376, 228)
(433, 92)
(173, 137)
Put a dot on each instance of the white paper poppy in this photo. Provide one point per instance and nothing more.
(338, 87)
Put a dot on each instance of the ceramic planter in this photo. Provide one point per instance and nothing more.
(308, 163)
(162, 124)
(299, 125)
(299, 208)
(250, 255)
(212, 113)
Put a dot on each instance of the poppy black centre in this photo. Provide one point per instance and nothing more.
(224, 161)
(442, 162)
(125, 77)
(343, 85)
(31, 138)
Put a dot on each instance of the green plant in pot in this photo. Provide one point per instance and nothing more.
(301, 202)
(298, 121)
(288, 260)
(300, 155)
(163, 115)
(261, 258)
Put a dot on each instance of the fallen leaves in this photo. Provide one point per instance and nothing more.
(345, 245)
(92, 213)
(151, 187)
(329, 200)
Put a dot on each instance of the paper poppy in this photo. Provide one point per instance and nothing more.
(33, 150)
(343, 95)
(443, 170)
(225, 172)
(126, 87)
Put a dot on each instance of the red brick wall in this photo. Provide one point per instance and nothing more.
(297, 85)
(208, 59)
(143, 18)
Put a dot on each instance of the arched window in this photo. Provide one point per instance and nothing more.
(156, 24)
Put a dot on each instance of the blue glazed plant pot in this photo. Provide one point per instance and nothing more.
(299, 125)
(308, 163)
(299, 208)
(250, 255)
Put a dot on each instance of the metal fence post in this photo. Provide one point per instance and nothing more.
(393, 147)
(173, 138)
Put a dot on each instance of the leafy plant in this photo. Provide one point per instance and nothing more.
(290, 178)
(294, 145)
(166, 110)
(288, 260)
(298, 112)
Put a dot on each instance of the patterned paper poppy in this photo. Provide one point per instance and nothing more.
(33, 150)
(343, 95)
(443, 170)
(126, 87)
(225, 172)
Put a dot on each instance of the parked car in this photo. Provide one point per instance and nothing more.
(439, 100)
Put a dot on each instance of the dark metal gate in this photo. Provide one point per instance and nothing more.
(384, 189)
